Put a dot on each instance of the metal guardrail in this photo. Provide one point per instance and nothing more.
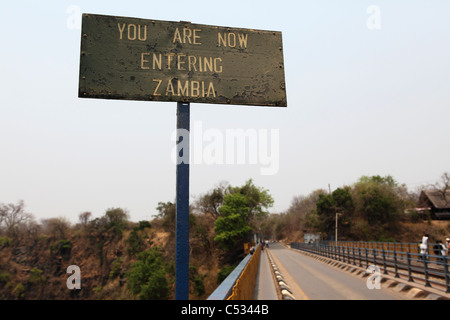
(430, 270)
(245, 285)
(240, 283)
(394, 246)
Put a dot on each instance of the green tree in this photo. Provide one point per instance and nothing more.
(326, 210)
(135, 242)
(379, 201)
(259, 199)
(197, 280)
(338, 202)
(147, 277)
(224, 273)
(232, 226)
(242, 208)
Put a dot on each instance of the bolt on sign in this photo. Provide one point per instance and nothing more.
(150, 60)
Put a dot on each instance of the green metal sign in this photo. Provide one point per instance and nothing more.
(150, 60)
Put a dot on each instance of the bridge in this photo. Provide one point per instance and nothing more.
(338, 271)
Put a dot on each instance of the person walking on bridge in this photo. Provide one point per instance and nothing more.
(424, 246)
(443, 248)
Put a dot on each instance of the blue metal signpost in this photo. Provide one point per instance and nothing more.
(148, 60)
(182, 202)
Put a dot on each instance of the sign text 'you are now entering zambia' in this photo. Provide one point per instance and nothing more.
(150, 60)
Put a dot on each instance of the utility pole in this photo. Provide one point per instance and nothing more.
(336, 229)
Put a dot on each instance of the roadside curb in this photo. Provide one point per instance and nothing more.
(409, 289)
(283, 287)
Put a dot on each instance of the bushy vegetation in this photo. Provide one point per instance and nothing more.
(236, 211)
(121, 259)
(371, 209)
(147, 276)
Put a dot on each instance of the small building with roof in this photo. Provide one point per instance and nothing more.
(436, 202)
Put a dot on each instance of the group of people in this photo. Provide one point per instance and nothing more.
(263, 245)
(440, 249)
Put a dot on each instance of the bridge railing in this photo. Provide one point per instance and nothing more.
(413, 247)
(240, 283)
(430, 270)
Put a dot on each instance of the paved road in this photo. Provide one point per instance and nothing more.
(314, 280)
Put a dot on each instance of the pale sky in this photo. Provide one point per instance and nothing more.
(368, 90)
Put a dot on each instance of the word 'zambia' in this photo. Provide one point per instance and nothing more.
(136, 59)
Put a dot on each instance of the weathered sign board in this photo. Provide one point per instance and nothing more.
(150, 60)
